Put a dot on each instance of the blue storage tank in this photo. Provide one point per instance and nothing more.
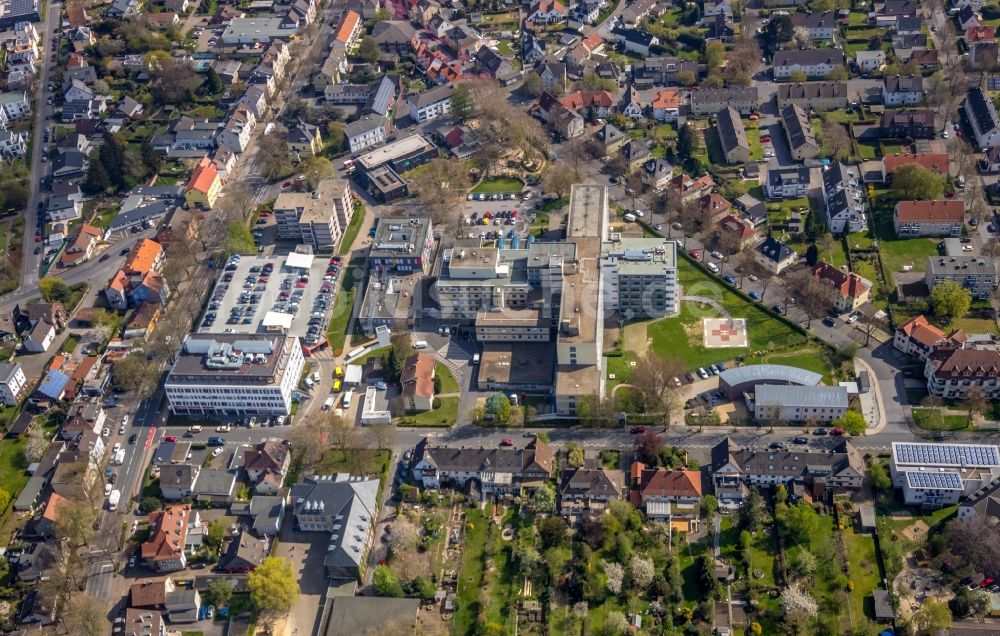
(502, 242)
(531, 239)
(516, 243)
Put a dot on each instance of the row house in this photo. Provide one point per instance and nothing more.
(813, 95)
(546, 12)
(928, 218)
(813, 63)
(589, 490)
(395, 37)
(902, 90)
(844, 199)
(821, 474)
(975, 273)
(951, 374)
(139, 280)
(907, 123)
(661, 71)
(348, 32)
(493, 472)
(982, 116)
(917, 337)
(709, 101)
(820, 25)
(667, 495)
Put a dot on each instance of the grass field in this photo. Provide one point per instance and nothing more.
(495, 185)
(445, 415)
(12, 466)
(352, 230)
(974, 325)
(897, 252)
(336, 332)
(863, 570)
(470, 575)
(448, 382)
(936, 420)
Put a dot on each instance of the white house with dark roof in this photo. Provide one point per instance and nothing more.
(430, 104)
(814, 63)
(938, 475)
(774, 255)
(982, 116)
(902, 90)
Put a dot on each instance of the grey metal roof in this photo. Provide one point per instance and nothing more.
(964, 265)
(769, 372)
(938, 481)
(804, 396)
(967, 455)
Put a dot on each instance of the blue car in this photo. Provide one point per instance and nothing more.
(729, 279)
(754, 295)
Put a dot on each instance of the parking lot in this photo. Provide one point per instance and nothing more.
(293, 294)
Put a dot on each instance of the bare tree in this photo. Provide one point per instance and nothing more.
(836, 141)
(870, 321)
(745, 260)
(560, 178)
(653, 380)
(813, 299)
(440, 186)
(84, 615)
(382, 435)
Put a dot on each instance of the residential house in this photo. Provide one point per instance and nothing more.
(635, 152)
(662, 71)
(83, 417)
(656, 173)
(741, 230)
(814, 63)
(244, 553)
(238, 130)
(967, 18)
(140, 622)
(15, 104)
(494, 472)
(975, 273)
(929, 218)
(183, 606)
(589, 490)
(732, 136)
(254, 98)
(78, 91)
(365, 132)
(846, 291)
(418, 382)
(430, 104)
(902, 90)
(983, 56)
(775, 255)
(816, 96)
(982, 115)
(163, 20)
(709, 101)
(984, 503)
(203, 187)
(304, 140)
(163, 550)
(394, 36)
(634, 40)
(844, 199)
(266, 466)
(667, 495)
(822, 473)
(869, 61)
(629, 104)
(907, 124)
(990, 163)
(177, 481)
(917, 337)
(39, 338)
(13, 384)
(714, 207)
(69, 164)
(754, 211)
(13, 144)
(610, 138)
(952, 373)
(553, 75)
(497, 67)
(139, 280)
(346, 507)
(926, 59)
(348, 32)
(691, 189)
(909, 25)
(546, 12)
(820, 25)
(666, 105)
(799, 132)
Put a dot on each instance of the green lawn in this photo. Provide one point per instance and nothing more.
(12, 466)
(445, 415)
(448, 382)
(681, 336)
(495, 185)
(352, 230)
(936, 420)
(470, 575)
(504, 48)
(336, 461)
(863, 569)
(897, 252)
(336, 332)
(974, 325)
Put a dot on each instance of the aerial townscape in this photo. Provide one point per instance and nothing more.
(497, 318)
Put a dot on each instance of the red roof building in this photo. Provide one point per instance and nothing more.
(847, 291)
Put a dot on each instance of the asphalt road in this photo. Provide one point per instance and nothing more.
(30, 263)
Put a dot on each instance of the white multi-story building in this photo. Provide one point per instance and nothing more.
(771, 403)
(937, 475)
(312, 217)
(365, 132)
(640, 277)
(12, 383)
(15, 104)
(431, 104)
(235, 374)
(13, 144)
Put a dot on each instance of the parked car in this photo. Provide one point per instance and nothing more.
(506, 442)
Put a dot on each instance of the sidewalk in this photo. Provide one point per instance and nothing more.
(872, 406)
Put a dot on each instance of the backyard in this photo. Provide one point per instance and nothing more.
(444, 415)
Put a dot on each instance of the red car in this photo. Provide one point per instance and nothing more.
(837, 431)
(637, 430)
(958, 133)
(695, 254)
(506, 442)
(335, 259)
(754, 117)
(765, 139)
(986, 582)
(170, 438)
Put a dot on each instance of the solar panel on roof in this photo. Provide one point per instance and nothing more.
(949, 481)
(948, 454)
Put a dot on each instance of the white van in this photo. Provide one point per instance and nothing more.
(630, 217)
(310, 383)
(714, 268)
(348, 396)
(420, 344)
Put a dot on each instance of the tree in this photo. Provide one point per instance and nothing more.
(216, 534)
(532, 84)
(932, 617)
(174, 80)
(715, 54)
(54, 290)
(316, 169)
(554, 532)
(574, 456)
(615, 575)
(975, 541)
(685, 142)
(84, 615)
(879, 476)
(440, 188)
(975, 401)
(404, 535)
(544, 499)
(709, 505)
(913, 182)
(213, 83)
(386, 584)
(640, 572)
(812, 297)
(35, 445)
(799, 522)
(797, 76)
(273, 586)
(75, 522)
(221, 591)
(836, 141)
(804, 563)
(797, 603)
(950, 300)
(779, 30)
(368, 49)
(462, 106)
(560, 178)
(335, 135)
(838, 74)
(751, 513)
(135, 372)
(272, 155)
(97, 181)
(615, 624)
(852, 422)
(653, 378)
(423, 588)
(149, 504)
